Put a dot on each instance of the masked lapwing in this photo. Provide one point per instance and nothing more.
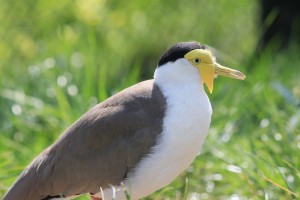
(140, 139)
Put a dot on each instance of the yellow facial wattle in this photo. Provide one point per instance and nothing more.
(203, 60)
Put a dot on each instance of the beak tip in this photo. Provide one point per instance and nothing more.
(243, 77)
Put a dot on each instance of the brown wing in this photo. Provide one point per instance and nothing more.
(98, 149)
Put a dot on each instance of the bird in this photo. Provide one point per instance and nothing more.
(136, 141)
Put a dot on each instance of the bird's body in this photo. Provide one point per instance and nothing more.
(101, 138)
(144, 137)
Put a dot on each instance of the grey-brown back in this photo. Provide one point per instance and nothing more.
(99, 149)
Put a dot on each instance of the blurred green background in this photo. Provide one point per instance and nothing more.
(59, 58)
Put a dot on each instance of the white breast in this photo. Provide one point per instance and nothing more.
(185, 126)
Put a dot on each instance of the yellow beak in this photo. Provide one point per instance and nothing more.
(225, 71)
(209, 71)
(203, 60)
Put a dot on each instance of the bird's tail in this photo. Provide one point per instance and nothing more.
(21, 189)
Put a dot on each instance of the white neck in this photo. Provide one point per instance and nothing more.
(180, 73)
(185, 126)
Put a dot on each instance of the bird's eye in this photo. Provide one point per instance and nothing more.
(197, 61)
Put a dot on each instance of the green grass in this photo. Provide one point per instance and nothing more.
(59, 59)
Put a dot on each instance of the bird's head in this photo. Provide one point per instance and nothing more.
(200, 57)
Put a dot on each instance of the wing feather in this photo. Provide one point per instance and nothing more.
(99, 149)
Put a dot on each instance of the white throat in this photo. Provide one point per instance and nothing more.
(185, 126)
(186, 123)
